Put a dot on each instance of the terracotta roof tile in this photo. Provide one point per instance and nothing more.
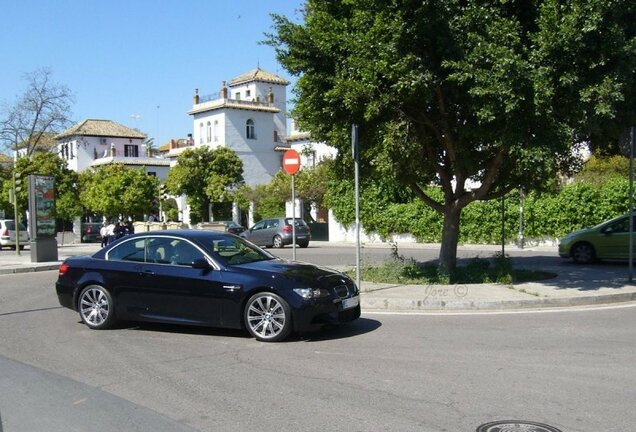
(258, 74)
(100, 128)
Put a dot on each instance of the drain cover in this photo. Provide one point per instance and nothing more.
(516, 426)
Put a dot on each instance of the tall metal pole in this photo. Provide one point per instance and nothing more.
(16, 218)
(503, 226)
(521, 227)
(354, 148)
(631, 205)
(293, 218)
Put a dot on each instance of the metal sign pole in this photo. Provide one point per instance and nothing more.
(16, 219)
(354, 151)
(631, 205)
(293, 218)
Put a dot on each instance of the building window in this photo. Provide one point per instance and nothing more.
(201, 133)
(238, 95)
(209, 132)
(131, 150)
(248, 93)
(275, 136)
(216, 130)
(152, 174)
(249, 129)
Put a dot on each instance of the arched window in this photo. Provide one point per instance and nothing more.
(216, 130)
(209, 132)
(249, 129)
(201, 133)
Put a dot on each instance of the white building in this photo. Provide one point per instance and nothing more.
(248, 117)
(92, 143)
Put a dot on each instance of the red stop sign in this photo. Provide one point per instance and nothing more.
(291, 162)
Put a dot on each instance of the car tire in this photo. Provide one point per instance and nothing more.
(96, 307)
(268, 317)
(583, 253)
(278, 242)
(303, 244)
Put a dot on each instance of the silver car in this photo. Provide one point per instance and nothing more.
(277, 232)
(7, 234)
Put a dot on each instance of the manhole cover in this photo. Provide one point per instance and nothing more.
(516, 426)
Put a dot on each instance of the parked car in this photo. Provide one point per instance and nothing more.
(7, 234)
(233, 227)
(205, 278)
(607, 240)
(90, 232)
(277, 232)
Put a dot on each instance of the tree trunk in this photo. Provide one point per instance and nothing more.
(450, 238)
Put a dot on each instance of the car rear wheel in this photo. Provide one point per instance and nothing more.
(278, 242)
(303, 244)
(268, 317)
(96, 307)
(583, 253)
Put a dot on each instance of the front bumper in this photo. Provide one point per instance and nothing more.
(313, 314)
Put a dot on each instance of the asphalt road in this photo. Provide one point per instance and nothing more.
(573, 370)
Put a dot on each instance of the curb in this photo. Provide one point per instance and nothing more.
(410, 305)
(30, 269)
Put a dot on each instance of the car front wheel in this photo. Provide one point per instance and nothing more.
(268, 317)
(96, 307)
(583, 253)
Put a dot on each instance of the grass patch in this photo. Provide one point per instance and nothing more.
(478, 270)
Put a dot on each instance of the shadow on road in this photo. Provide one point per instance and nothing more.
(356, 328)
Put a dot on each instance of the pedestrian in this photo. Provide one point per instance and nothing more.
(129, 227)
(110, 233)
(103, 232)
(118, 231)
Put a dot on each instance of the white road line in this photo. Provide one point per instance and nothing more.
(510, 312)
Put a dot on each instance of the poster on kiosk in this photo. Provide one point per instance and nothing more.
(42, 218)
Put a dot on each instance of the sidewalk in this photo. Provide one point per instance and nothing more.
(574, 286)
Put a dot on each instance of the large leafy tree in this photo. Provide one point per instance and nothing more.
(114, 190)
(67, 202)
(205, 176)
(43, 109)
(492, 93)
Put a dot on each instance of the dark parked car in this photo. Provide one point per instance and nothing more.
(277, 232)
(90, 232)
(206, 278)
(233, 227)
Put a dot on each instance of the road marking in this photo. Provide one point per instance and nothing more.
(510, 312)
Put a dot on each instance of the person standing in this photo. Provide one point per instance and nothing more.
(103, 232)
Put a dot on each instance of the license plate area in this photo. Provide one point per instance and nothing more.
(349, 303)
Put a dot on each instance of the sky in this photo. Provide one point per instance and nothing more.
(138, 62)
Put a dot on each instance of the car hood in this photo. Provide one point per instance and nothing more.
(303, 273)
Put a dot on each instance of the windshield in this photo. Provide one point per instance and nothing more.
(232, 250)
(11, 225)
(299, 222)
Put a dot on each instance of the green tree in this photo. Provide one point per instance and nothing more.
(205, 176)
(494, 92)
(67, 202)
(114, 190)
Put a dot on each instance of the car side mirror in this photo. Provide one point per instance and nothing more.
(200, 263)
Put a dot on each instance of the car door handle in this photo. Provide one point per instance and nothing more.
(148, 272)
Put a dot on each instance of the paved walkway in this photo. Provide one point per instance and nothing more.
(574, 286)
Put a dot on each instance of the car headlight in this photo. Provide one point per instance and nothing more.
(310, 293)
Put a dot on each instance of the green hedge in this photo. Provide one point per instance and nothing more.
(576, 206)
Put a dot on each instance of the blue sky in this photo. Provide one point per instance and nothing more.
(137, 61)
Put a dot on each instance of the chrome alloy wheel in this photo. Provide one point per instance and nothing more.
(267, 317)
(95, 307)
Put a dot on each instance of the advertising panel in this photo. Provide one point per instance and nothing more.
(42, 206)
